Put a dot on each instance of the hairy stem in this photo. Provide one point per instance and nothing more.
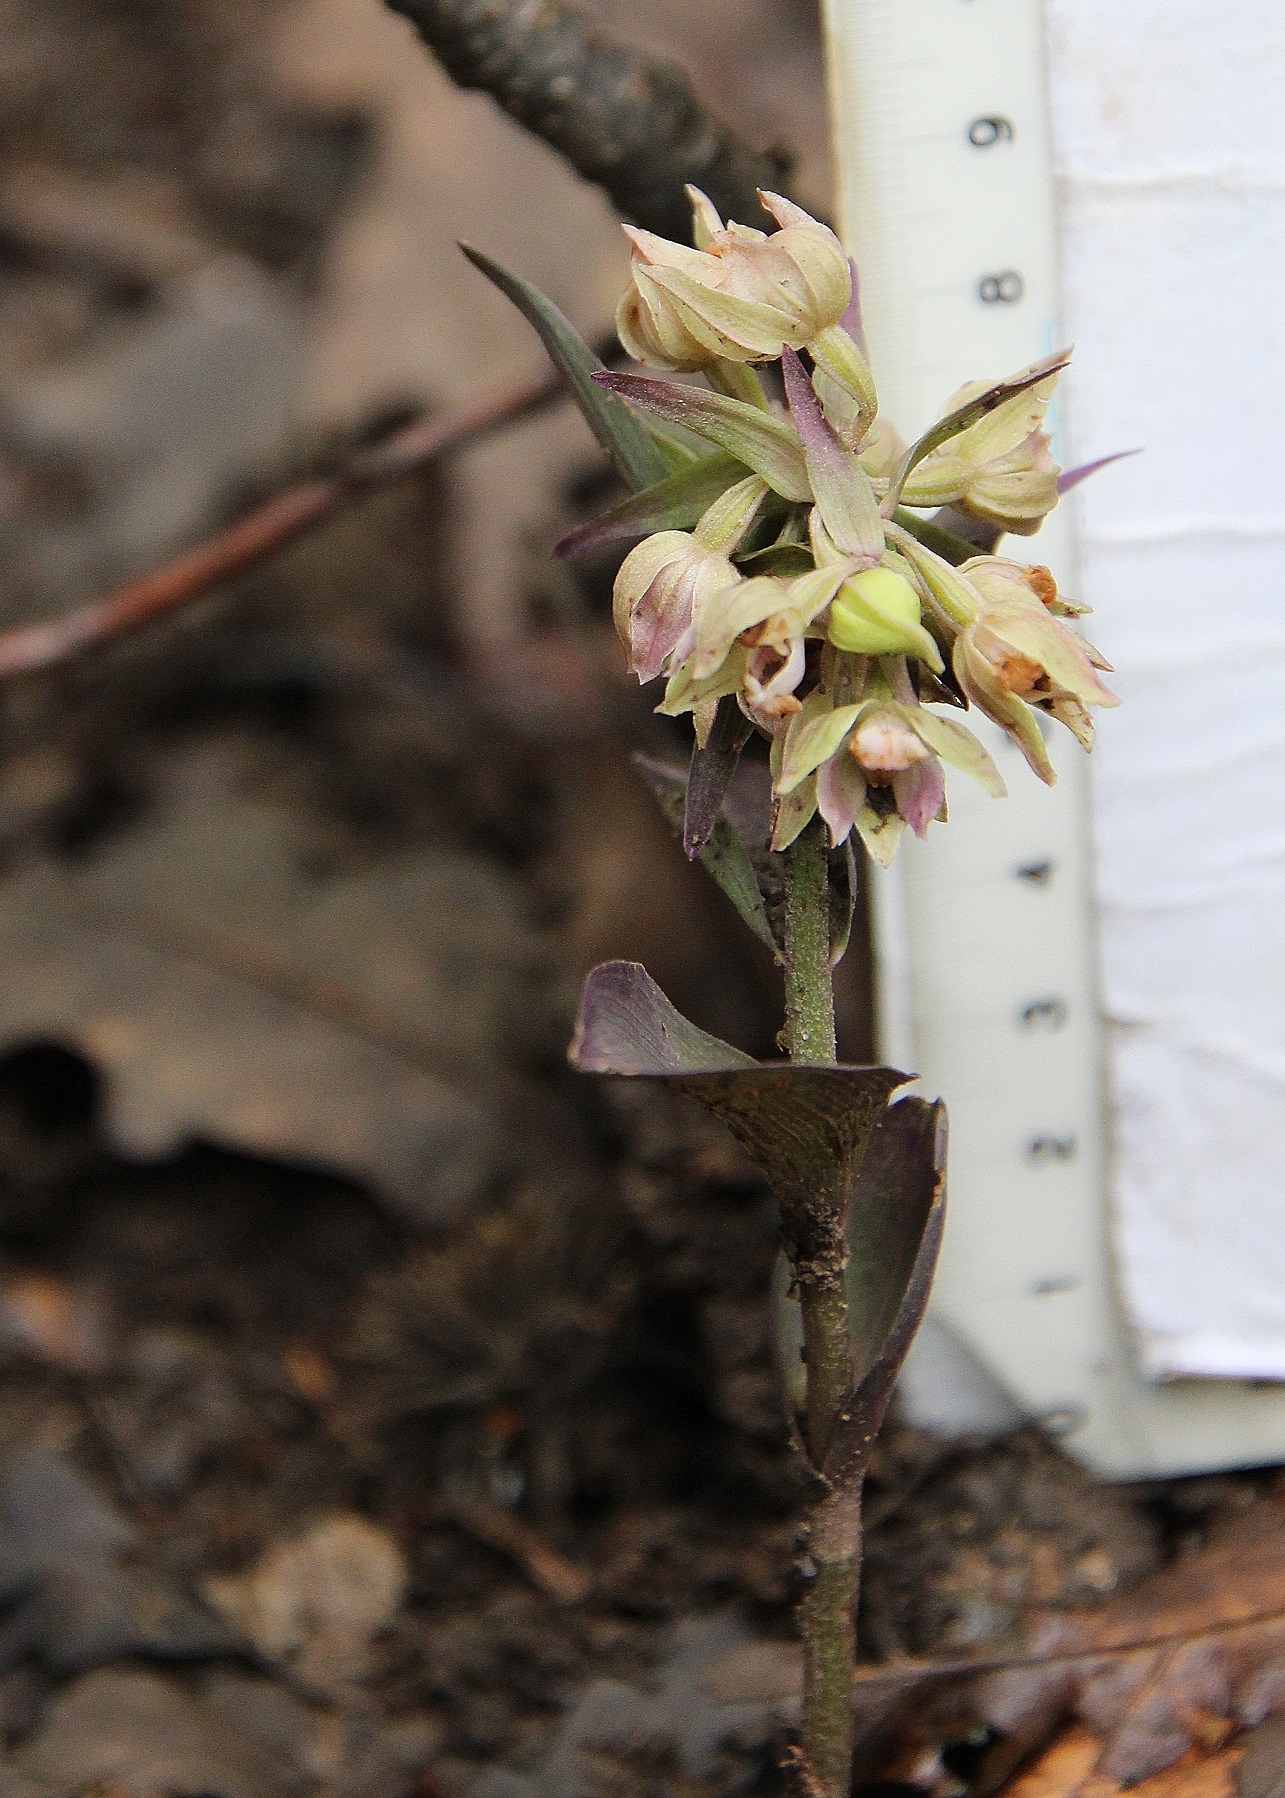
(809, 994)
(833, 1561)
(826, 1624)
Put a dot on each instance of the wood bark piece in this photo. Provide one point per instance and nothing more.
(630, 122)
(1192, 1652)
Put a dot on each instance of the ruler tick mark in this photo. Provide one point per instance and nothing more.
(1054, 1283)
(1044, 1014)
(1036, 874)
(1045, 1150)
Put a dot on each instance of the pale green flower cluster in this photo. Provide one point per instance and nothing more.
(809, 590)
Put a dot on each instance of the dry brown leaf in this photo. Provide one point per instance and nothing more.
(1192, 1651)
(367, 1019)
(1261, 1770)
(1067, 1770)
(1178, 1664)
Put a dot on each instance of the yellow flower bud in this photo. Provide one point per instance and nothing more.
(876, 613)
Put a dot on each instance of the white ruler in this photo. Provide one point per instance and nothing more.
(987, 958)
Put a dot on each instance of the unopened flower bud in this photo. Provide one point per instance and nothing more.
(1000, 469)
(658, 594)
(741, 297)
(877, 612)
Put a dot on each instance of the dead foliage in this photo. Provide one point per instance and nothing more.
(1176, 1666)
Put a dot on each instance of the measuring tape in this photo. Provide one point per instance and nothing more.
(985, 933)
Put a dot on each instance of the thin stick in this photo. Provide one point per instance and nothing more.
(565, 1583)
(265, 530)
(627, 120)
(826, 1620)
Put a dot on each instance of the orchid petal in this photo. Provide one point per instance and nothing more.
(880, 832)
(844, 496)
(841, 793)
(957, 746)
(1034, 633)
(977, 680)
(920, 792)
(815, 733)
(793, 812)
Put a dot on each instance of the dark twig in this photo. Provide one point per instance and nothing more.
(265, 530)
(630, 122)
(501, 1530)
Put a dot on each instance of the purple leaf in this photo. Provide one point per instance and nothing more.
(626, 1025)
(805, 1126)
(710, 775)
(674, 504)
(901, 1185)
(839, 1161)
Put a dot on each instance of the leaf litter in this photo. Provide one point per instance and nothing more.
(1155, 1680)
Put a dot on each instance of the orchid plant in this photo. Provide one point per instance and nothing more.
(791, 580)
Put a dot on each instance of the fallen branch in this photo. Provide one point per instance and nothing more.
(263, 531)
(629, 122)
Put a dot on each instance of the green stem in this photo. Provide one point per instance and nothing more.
(828, 1630)
(739, 382)
(826, 1610)
(809, 992)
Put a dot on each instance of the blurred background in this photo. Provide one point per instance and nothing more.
(231, 257)
(378, 1408)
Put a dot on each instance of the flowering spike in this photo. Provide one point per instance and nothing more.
(811, 634)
